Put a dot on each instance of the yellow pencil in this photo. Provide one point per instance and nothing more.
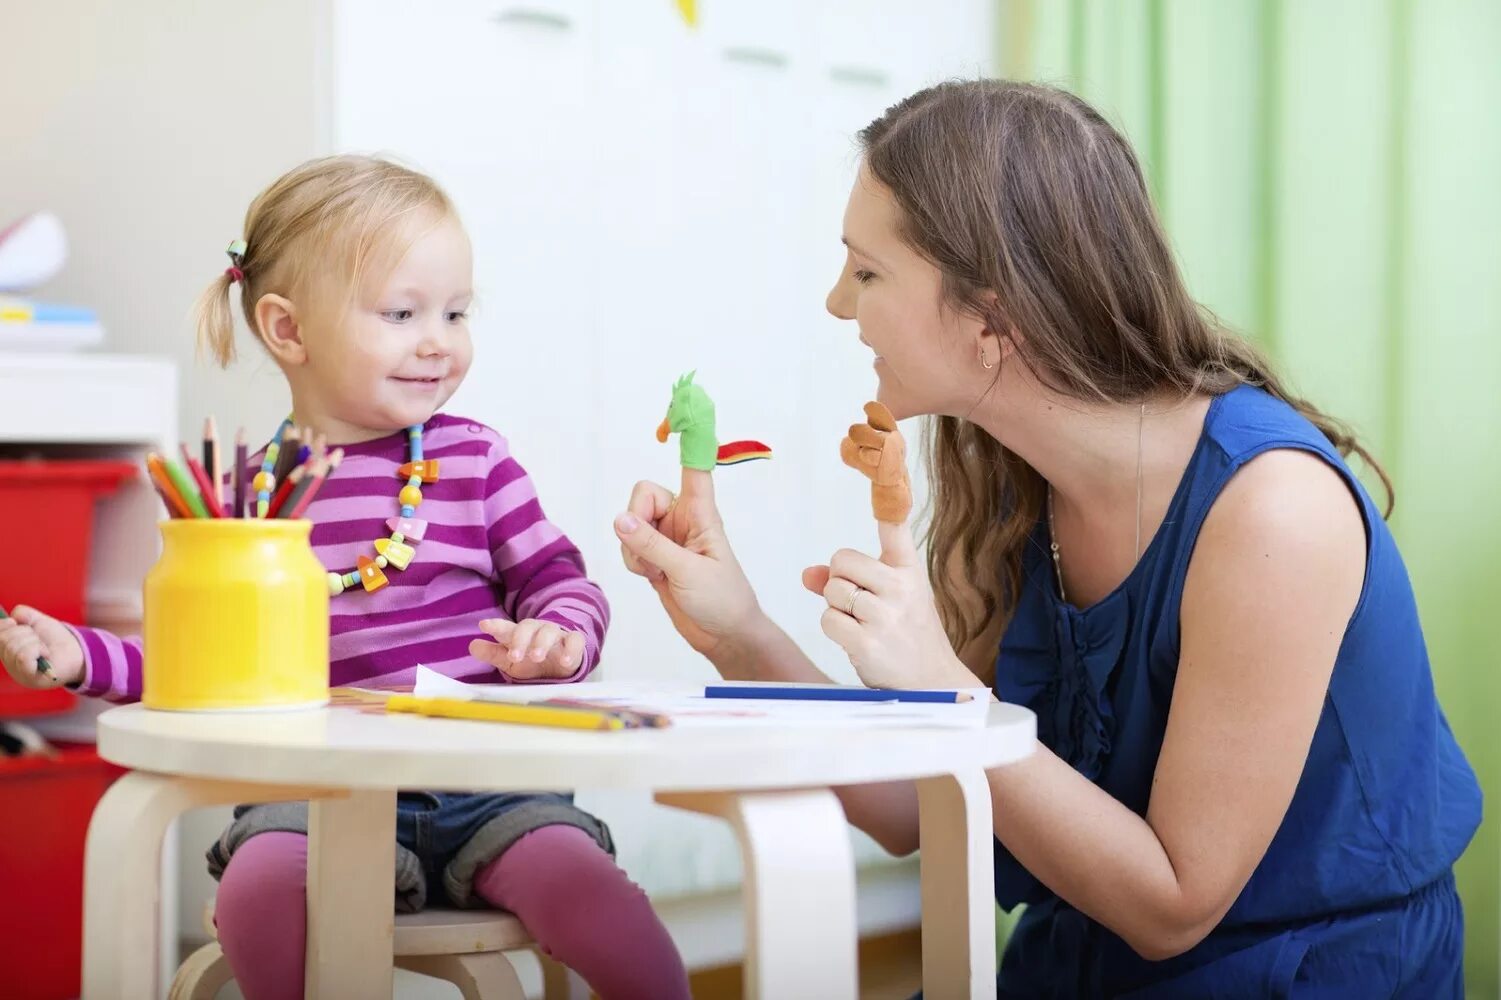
(525, 715)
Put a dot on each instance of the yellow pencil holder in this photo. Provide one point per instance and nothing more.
(236, 618)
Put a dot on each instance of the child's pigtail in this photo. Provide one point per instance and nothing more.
(216, 325)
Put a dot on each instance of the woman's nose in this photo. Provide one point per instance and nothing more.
(841, 300)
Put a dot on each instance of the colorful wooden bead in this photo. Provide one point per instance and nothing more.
(370, 574)
(394, 552)
(263, 482)
(335, 584)
(426, 470)
(410, 496)
(412, 529)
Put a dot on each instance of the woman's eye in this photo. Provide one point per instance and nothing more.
(864, 277)
(397, 315)
(457, 317)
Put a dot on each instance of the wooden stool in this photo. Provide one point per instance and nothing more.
(462, 946)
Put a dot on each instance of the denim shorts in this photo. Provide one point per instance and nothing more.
(442, 838)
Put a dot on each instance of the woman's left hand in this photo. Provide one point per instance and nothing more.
(881, 612)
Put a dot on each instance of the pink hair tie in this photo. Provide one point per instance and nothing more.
(235, 274)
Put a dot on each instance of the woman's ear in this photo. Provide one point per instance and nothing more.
(277, 325)
(996, 342)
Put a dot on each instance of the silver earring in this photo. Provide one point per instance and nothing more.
(983, 362)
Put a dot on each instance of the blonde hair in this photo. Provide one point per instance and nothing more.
(332, 219)
(1035, 211)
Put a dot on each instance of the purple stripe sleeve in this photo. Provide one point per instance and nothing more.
(111, 665)
(538, 565)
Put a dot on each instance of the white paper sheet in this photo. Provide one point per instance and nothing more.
(688, 707)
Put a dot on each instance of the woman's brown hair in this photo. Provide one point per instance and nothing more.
(1034, 209)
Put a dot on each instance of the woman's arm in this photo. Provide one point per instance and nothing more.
(1275, 576)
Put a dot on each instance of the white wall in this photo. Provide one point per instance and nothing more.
(148, 128)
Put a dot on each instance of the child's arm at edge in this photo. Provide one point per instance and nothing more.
(541, 571)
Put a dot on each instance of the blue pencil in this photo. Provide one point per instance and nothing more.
(830, 692)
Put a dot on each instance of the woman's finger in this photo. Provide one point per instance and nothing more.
(650, 501)
(845, 598)
(652, 547)
(844, 630)
(861, 569)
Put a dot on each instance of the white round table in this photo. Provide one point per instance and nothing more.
(771, 784)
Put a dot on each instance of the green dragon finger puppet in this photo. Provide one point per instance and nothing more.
(691, 417)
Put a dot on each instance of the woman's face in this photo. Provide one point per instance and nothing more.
(926, 357)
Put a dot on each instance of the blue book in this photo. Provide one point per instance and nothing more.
(829, 692)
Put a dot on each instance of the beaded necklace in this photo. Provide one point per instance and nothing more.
(394, 552)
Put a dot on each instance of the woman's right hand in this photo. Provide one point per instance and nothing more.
(678, 544)
(28, 634)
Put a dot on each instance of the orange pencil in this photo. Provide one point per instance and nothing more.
(157, 469)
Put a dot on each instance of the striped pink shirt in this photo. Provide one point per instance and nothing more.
(489, 552)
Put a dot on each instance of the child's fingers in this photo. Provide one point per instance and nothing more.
(544, 640)
(498, 629)
(489, 652)
(570, 652)
(521, 639)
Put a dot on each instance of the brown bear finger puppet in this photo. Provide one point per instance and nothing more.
(876, 449)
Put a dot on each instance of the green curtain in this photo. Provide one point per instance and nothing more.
(1330, 174)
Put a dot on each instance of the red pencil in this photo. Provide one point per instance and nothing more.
(284, 491)
(200, 476)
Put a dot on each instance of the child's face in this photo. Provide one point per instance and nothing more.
(403, 347)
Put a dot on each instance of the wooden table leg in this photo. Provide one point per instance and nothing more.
(958, 886)
(350, 893)
(799, 890)
(122, 867)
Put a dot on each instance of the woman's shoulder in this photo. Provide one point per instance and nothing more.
(1249, 420)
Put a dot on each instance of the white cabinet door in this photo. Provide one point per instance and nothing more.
(498, 101)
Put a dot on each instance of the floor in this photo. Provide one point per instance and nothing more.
(890, 969)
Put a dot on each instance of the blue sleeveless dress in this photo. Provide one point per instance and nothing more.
(1355, 896)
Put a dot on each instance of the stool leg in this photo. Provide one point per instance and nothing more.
(202, 976)
(479, 976)
(559, 982)
(122, 865)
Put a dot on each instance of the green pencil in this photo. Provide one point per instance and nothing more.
(186, 487)
(42, 666)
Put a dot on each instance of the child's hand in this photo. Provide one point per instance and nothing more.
(28, 634)
(529, 650)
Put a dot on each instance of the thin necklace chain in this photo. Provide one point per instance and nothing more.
(1141, 420)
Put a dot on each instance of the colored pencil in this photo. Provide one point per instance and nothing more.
(526, 715)
(156, 467)
(185, 488)
(631, 717)
(212, 463)
(301, 501)
(205, 486)
(285, 491)
(286, 458)
(829, 692)
(43, 665)
(242, 459)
